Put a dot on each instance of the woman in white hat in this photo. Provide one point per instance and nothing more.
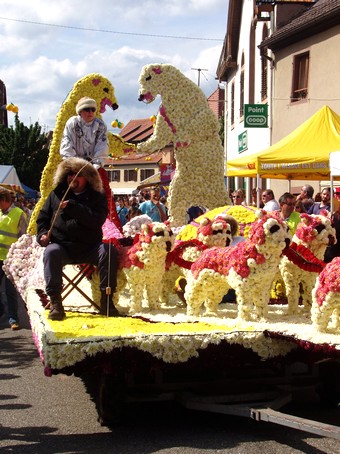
(85, 135)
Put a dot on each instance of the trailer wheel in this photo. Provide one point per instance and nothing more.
(329, 388)
(110, 400)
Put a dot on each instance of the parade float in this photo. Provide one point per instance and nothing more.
(162, 348)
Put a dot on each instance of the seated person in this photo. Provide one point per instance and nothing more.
(69, 226)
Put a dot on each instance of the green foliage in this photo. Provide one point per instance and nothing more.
(25, 148)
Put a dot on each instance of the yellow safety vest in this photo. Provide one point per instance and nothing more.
(9, 231)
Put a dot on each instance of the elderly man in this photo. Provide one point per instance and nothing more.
(269, 202)
(287, 211)
(85, 135)
(70, 227)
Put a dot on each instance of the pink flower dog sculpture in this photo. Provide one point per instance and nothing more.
(248, 267)
(326, 297)
(312, 236)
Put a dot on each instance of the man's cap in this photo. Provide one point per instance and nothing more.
(85, 102)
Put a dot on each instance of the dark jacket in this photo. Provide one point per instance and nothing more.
(78, 227)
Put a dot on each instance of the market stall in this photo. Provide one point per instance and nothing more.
(301, 155)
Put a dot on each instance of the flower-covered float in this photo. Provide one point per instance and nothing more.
(164, 333)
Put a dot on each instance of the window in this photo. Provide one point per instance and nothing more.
(264, 67)
(146, 173)
(115, 175)
(300, 77)
(232, 104)
(130, 175)
(242, 87)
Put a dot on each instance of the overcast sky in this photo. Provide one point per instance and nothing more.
(39, 64)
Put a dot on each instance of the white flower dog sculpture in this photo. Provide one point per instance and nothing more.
(210, 233)
(326, 297)
(185, 120)
(304, 259)
(248, 268)
(143, 264)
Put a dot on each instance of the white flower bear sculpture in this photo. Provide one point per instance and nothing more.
(185, 120)
(304, 259)
(326, 297)
(249, 268)
(142, 266)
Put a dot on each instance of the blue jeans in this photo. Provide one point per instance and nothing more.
(11, 296)
(57, 256)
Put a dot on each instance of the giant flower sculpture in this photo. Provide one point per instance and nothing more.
(99, 88)
(185, 120)
(304, 259)
(248, 268)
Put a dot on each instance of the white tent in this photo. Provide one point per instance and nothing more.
(9, 177)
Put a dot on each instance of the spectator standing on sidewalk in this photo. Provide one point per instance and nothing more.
(13, 224)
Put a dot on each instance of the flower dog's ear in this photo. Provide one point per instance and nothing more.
(157, 70)
(260, 213)
(307, 219)
(204, 221)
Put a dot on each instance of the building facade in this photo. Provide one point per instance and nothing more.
(278, 54)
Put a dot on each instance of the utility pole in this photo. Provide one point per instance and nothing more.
(199, 74)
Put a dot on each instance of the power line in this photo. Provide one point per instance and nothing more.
(98, 30)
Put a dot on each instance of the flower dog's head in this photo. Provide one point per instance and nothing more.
(269, 231)
(216, 232)
(157, 233)
(315, 229)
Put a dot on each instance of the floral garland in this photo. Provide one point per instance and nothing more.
(304, 258)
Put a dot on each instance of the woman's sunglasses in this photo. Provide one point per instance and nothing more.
(90, 109)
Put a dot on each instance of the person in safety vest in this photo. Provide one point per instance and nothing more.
(13, 224)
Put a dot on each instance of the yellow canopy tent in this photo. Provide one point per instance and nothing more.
(302, 155)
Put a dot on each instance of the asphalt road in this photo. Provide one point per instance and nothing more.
(56, 415)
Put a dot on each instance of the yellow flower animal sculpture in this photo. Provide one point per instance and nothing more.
(142, 266)
(304, 260)
(248, 268)
(99, 88)
(186, 120)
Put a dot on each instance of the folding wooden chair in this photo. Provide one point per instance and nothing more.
(72, 278)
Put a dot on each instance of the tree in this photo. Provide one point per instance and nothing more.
(26, 149)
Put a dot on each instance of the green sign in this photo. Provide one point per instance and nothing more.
(256, 115)
(242, 142)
